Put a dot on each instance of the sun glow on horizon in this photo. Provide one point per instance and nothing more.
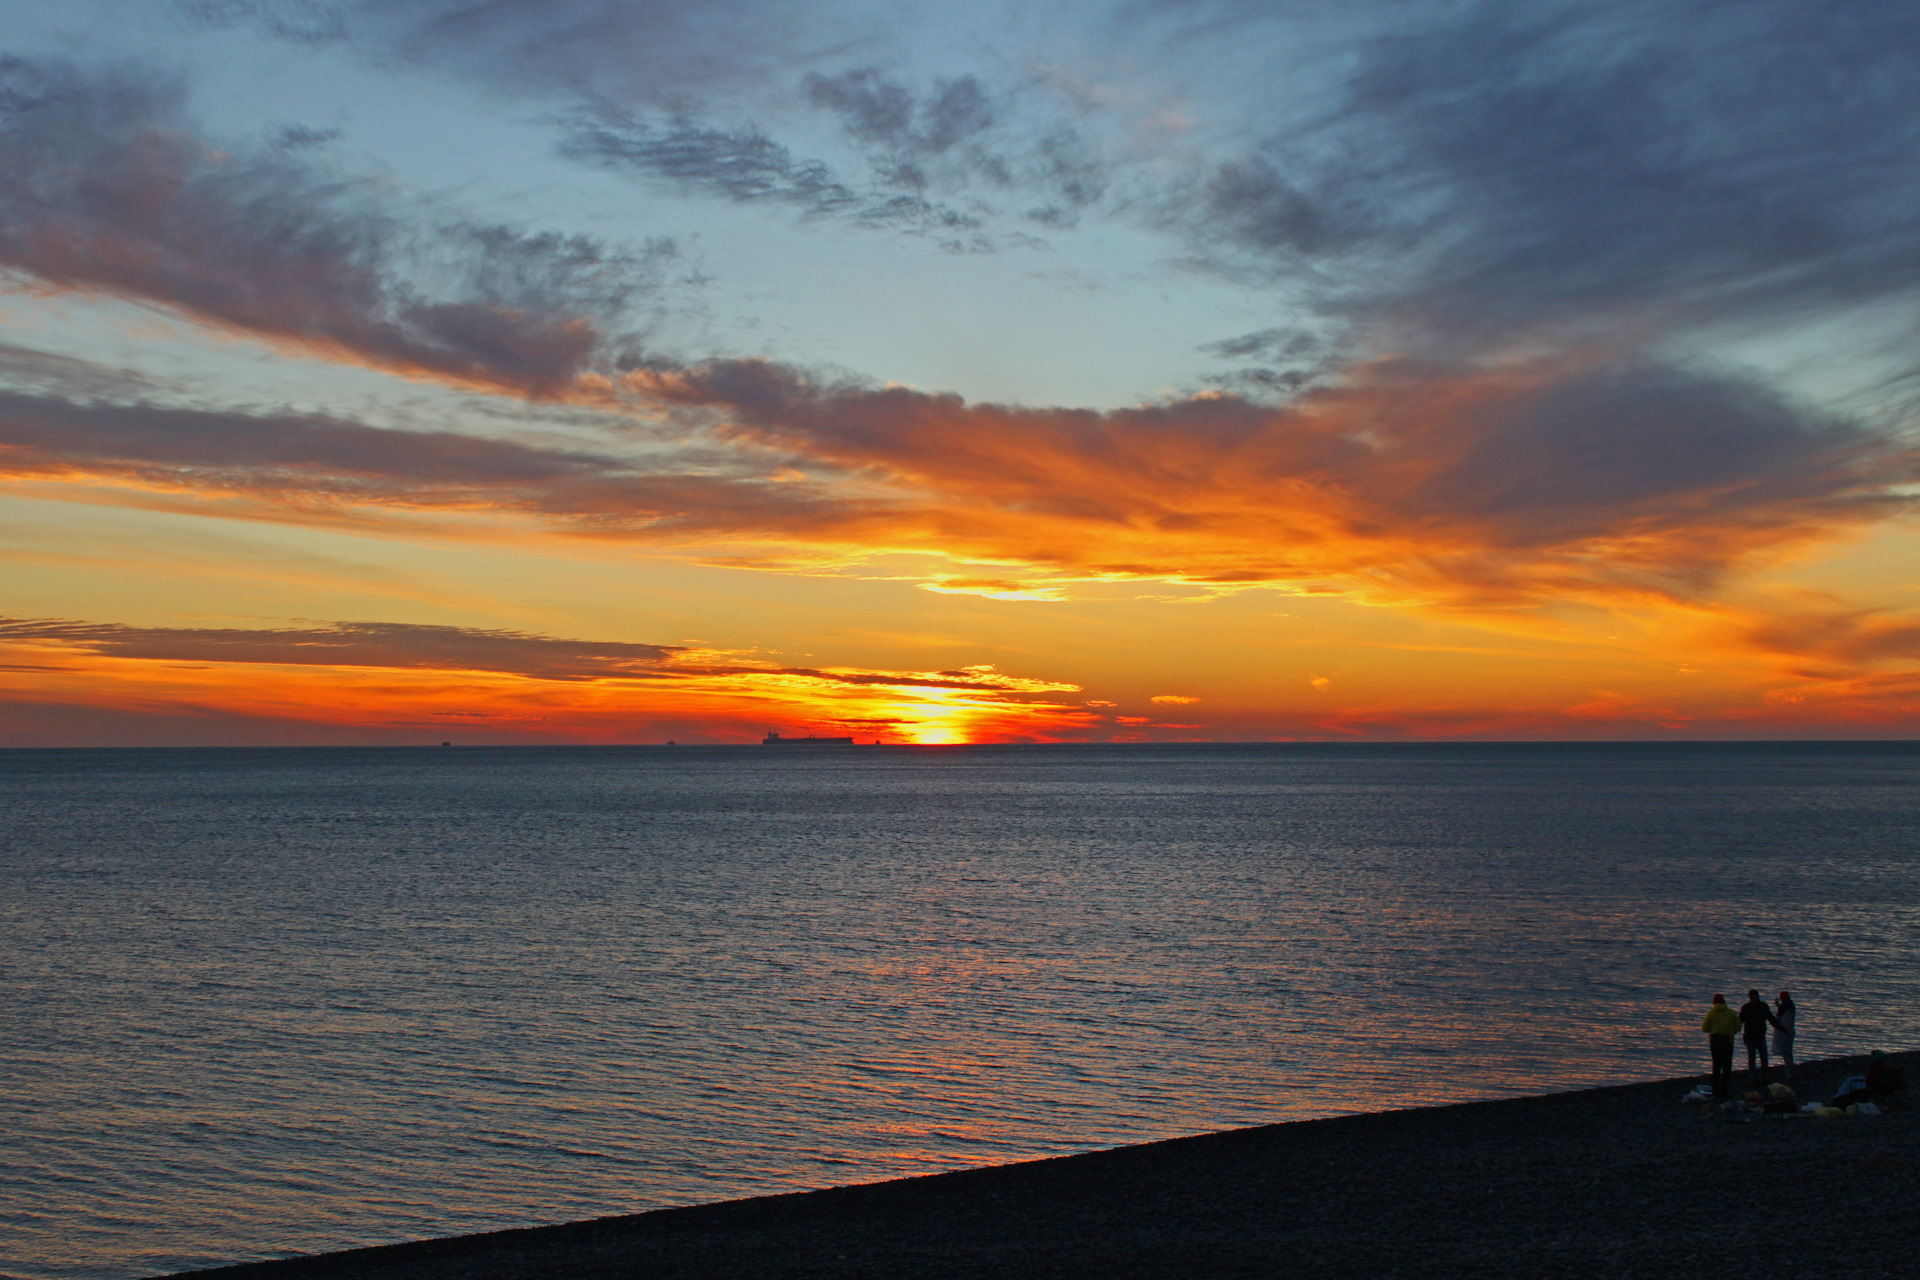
(943, 403)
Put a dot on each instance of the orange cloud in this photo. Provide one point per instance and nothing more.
(1538, 495)
(1489, 490)
(78, 683)
(1540, 499)
(1582, 479)
(993, 588)
(1835, 635)
(506, 686)
(1471, 487)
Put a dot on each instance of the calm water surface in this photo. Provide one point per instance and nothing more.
(259, 1002)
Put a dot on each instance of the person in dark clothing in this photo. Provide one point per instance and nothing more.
(1881, 1082)
(1755, 1018)
(1785, 1014)
(1877, 1072)
(1720, 1024)
(1883, 1078)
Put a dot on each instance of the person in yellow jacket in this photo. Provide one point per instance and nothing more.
(1720, 1024)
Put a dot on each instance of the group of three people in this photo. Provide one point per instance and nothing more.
(1751, 1023)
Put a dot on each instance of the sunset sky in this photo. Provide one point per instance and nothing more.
(610, 371)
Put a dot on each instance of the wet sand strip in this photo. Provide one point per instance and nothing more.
(1617, 1182)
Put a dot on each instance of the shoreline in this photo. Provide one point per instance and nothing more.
(1619, 1179)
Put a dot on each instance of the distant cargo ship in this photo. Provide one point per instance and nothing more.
(774, 739)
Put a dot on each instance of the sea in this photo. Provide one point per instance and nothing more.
(261, 1002)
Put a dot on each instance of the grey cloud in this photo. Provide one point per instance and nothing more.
(939, 163)
(642, 75)
(1297, 359)
(953, 138)
(1256, 381)
(746, 166)
(108, 187)
(1270, 343)
(1847, 636)
(216, 445)
(740, 164)
(1495, 168)
(358, 644)
(27, 720)
(68, 378)
(1485, 487)
(958, 110)
(296, 137)
(873, 109)
(618, 50)
(1609, 450)
(1066, 165)
(1253, 202)
(881, 112)
(295, 462)
(1482, 169)
(638, 70)
(1505, 481)
(417, 646)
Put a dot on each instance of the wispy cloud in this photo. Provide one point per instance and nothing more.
(355, 644)
(1472, 486)
(499, 684)
(1825, 639)
(443, 648)
(303, 466)
(746, 166)
(994, 588)
(473, 649)
(110, 189)
(741, 164)
(1494, 173)
(881, 112)
(1511, 489)
(623, 50)
(938, 162)
(647, 87)
(1448, 178)
(70, 378)
(1494, 233)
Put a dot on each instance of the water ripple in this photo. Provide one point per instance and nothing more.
(264, 1002)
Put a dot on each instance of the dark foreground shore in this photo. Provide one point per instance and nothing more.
(1617, 1182)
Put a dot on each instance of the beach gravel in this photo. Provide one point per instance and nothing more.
(1619, 1182)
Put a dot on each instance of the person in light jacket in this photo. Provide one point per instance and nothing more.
(1720, 1024)
(1783, 1012)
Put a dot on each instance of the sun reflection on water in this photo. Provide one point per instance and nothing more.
(267, 1001)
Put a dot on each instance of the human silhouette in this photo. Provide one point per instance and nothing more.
(1755, 1018)
(1720, 1024)
(1784, 1013)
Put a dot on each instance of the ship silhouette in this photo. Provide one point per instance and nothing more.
(773, 739)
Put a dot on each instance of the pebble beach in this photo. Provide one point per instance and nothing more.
(1619, 1181)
